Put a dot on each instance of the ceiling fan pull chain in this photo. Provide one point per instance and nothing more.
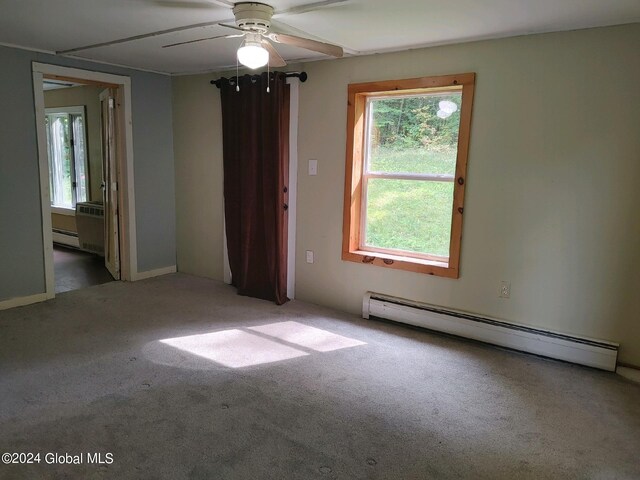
(268, 76)
(237, 76)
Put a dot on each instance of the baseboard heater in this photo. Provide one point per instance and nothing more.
(90, 223)
(70, 239)
(585, 351)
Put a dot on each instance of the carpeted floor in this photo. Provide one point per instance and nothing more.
(171, 377)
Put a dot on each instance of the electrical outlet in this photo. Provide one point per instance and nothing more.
(505, 289)
(309, 256)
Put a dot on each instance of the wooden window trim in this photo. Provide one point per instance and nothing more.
(352, 214)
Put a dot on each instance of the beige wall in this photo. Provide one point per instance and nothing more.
(197, 147)
(551, 198)
(89, 97)
(64, 222)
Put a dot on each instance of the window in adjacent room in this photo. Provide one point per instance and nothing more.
(66, 145)
(407, 144)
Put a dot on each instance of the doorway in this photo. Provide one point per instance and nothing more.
(292, 186)
(94, 189)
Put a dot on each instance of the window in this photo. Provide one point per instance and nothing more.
(407, 144)
(68, 173)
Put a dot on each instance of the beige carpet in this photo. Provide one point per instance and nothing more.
(179, 378)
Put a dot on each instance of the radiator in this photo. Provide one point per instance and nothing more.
(585, 351)
(90, 224)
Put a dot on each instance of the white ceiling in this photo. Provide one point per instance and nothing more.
(360, 26)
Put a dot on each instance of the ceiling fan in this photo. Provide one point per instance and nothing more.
(253, 21)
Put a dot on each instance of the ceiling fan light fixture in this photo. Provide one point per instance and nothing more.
(253, 55)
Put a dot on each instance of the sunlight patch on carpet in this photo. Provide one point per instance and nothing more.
(234, 348)
(306, 336)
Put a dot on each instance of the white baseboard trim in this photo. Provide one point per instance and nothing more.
(629, 373)
(22, 301)
(63, 239)
(585, 351)
(153, 273)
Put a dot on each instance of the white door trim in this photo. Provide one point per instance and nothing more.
(129, 270)
(45, 195)
(294, 85)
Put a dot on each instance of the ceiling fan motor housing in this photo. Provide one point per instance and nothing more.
(253, 16)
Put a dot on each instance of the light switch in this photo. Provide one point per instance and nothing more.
(313, 166)
(309, 256)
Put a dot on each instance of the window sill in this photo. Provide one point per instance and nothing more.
(70, 212)
(400, 262)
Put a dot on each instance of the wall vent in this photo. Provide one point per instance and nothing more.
(585, 351)
(90, 223)
(91, 210)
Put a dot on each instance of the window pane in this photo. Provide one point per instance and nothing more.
(60, 161)
(80, 158)
(409, 215)
(47, 125)
(414, 134)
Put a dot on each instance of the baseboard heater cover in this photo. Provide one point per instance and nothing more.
(581, 350)
(63, 237)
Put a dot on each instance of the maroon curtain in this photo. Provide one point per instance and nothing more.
(255, 126)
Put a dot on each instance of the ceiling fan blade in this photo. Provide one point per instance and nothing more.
(275, 60)
(326, 48)
(223, 3)
(186, 4)
(228, 25)
(138, 37)
(307, 8)
(201, 40)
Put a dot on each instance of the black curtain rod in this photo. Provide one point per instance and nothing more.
(301, 75)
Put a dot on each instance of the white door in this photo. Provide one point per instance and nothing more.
(110, 183)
